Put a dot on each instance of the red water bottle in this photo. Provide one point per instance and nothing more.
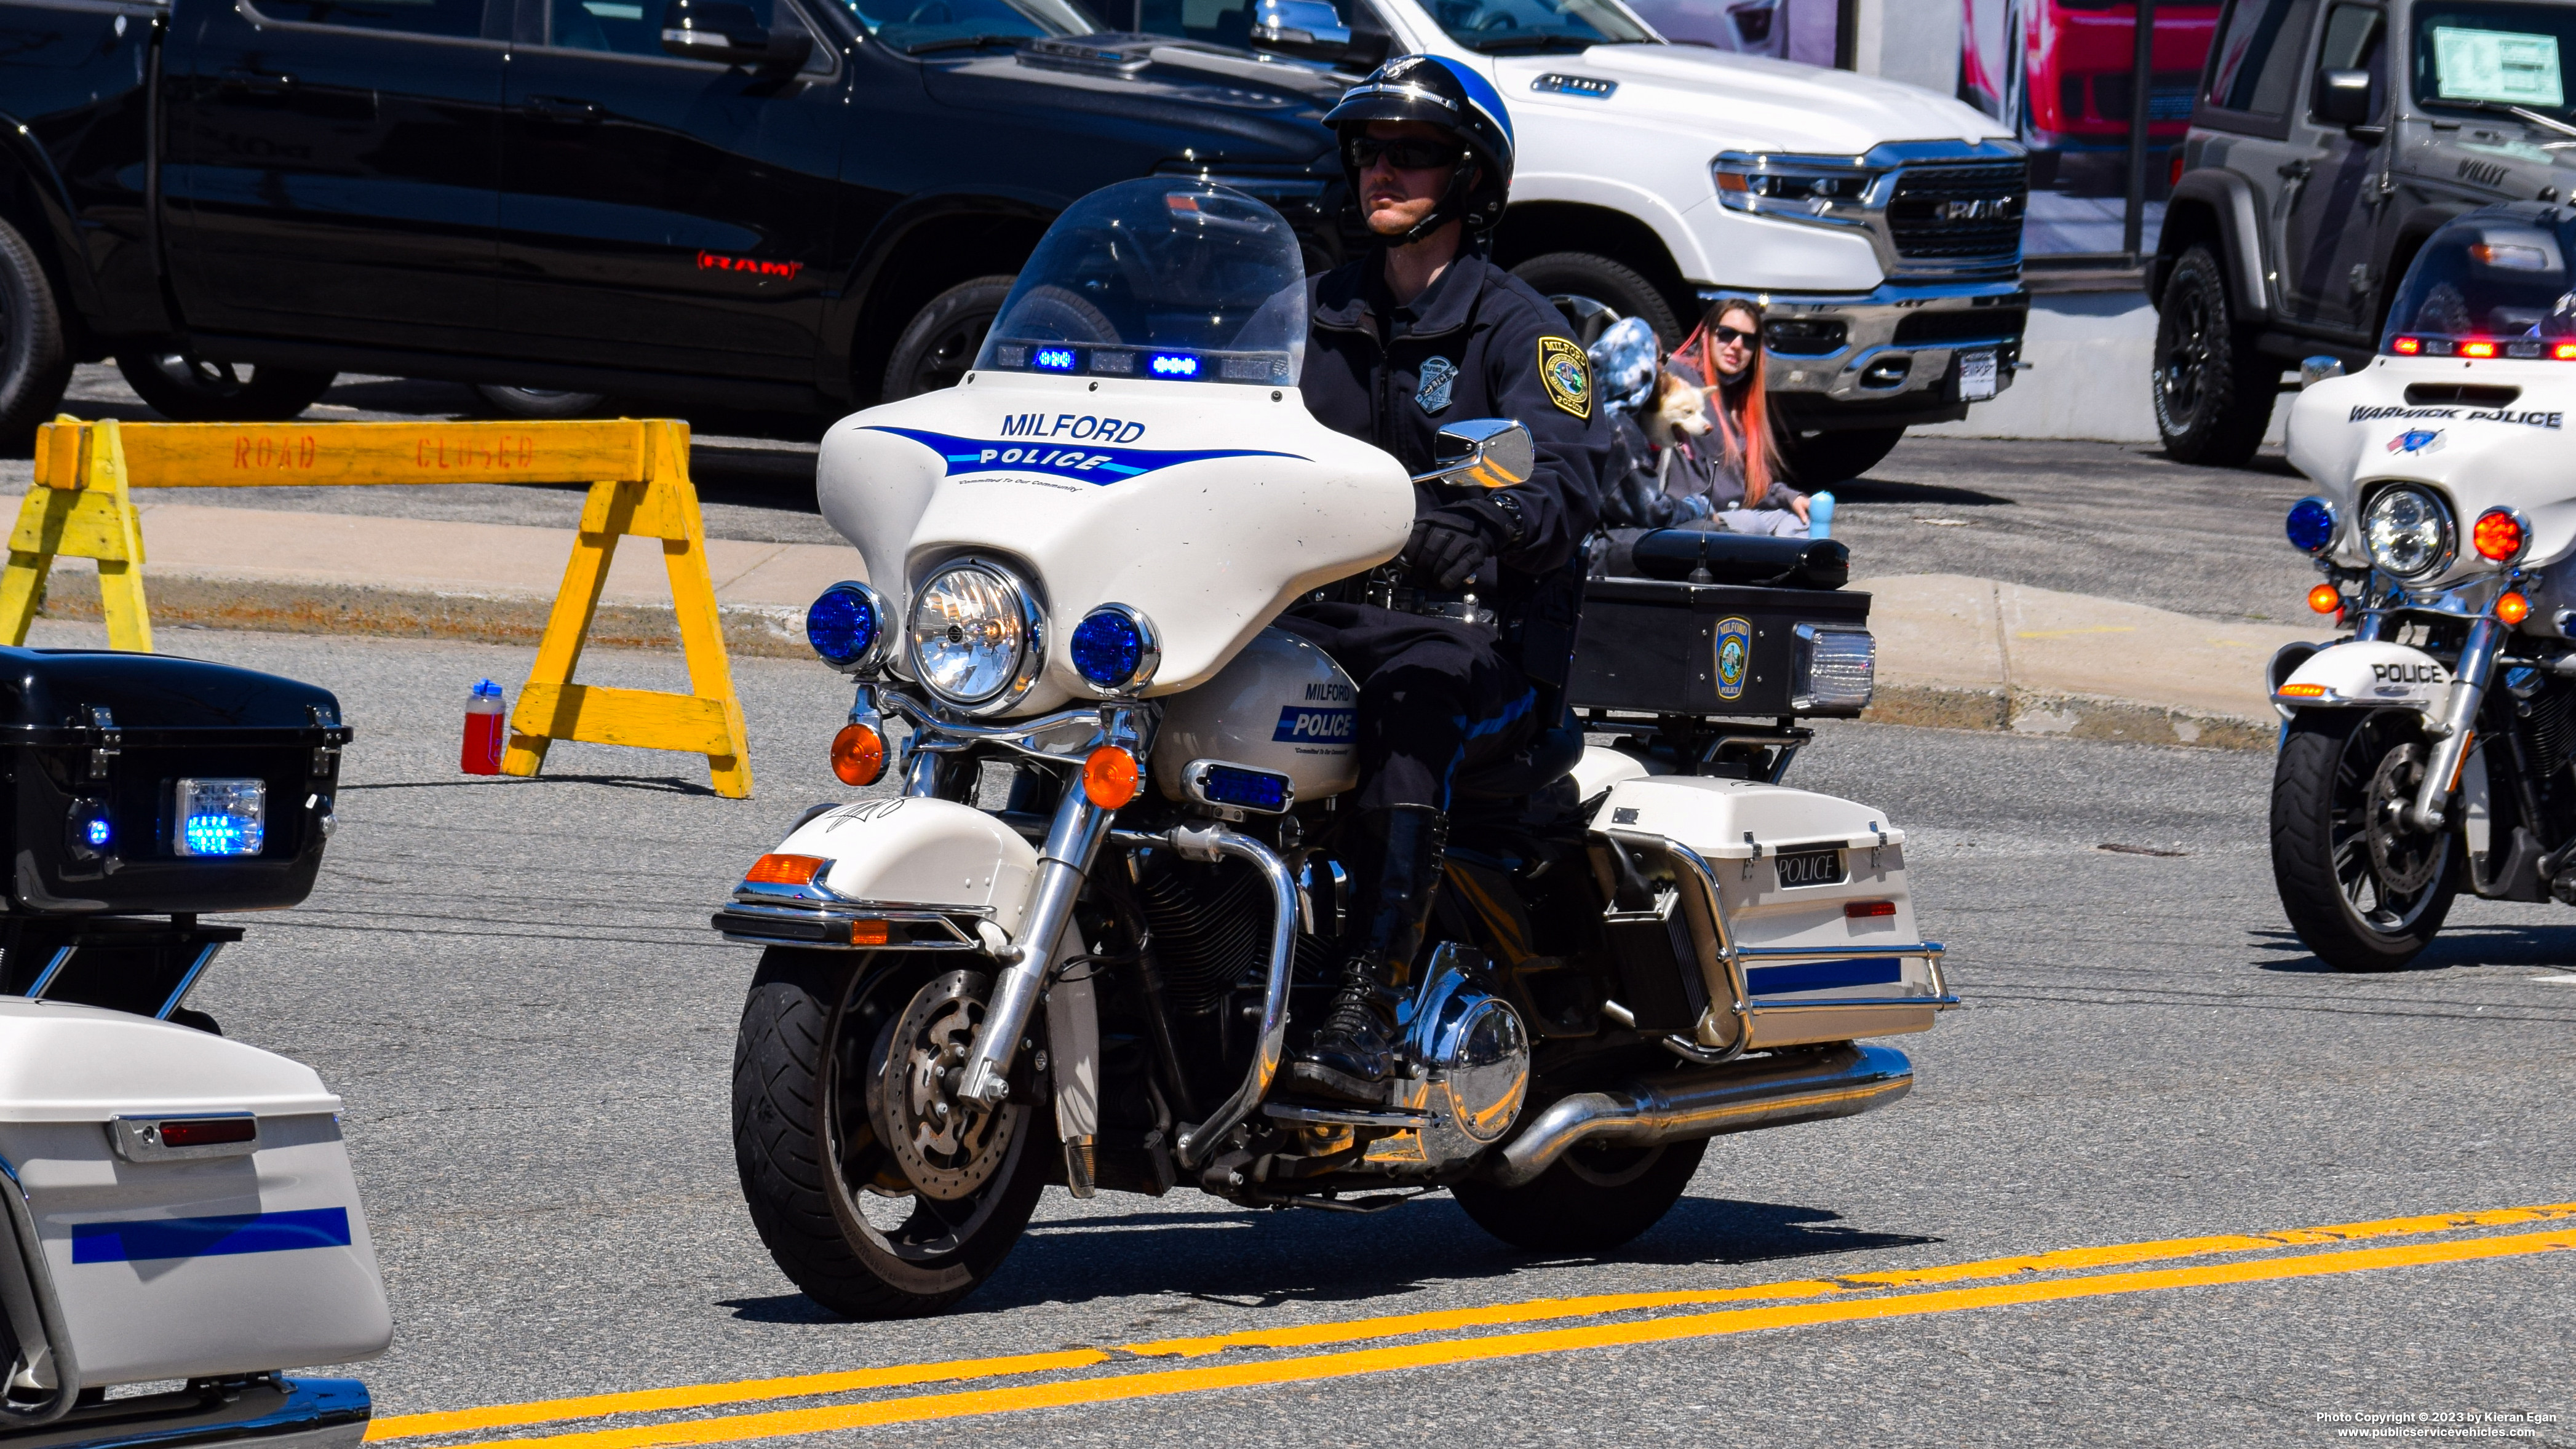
(487, 727)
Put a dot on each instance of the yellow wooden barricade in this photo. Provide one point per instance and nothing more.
(638, 472)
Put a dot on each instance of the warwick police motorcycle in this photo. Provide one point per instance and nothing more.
(2429, 752)
(1077, 946)
(176, 1208)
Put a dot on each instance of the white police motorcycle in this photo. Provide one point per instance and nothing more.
(1078, 944)
(2429, 752)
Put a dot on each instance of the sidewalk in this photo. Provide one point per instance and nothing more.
(1954, 651)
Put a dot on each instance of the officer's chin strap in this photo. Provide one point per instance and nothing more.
(1451, 205)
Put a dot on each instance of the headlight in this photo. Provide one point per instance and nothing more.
(975, 635)
(1114, 648)
(847, 627)
(1830, 189)
(2408, 532)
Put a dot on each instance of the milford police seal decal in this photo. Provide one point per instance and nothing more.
(1734, 654)
(1566, 375)
(1439, 374)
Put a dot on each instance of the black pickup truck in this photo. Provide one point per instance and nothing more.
(803, 206)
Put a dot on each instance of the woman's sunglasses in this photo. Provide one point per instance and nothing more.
(1404, 153)
(1726, 334)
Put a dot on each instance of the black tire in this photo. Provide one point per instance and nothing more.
(2213, 391)
(820, 1185)
(939, 345)
(2324, 861)
(1594, 1198)
(540, 402)
(35, 358)
(186, 388)
(1821, 460)
(1601, 282)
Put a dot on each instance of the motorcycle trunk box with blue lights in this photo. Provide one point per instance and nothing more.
(1672, 647)
(145, 785)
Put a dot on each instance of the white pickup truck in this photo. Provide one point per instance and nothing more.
(1881, 224)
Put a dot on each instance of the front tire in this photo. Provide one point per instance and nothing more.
(2362, 892)
(186, 388)
(1601, 282)
(941, 343)
(2213, 391)
(1592, 1200)
(35, 359)
(831, 1200)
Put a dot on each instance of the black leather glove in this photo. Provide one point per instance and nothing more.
(1449, 544)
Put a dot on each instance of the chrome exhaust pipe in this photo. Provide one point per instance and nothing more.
(1843, 1081)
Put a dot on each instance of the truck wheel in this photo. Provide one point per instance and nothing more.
(1583, 277)
(2364, 893)
(2213, 391)
(35, 360)
(868, 1229)
(1592, 1200)
(938, 348)
(1821, 460)
(540, 402)
(186, 388)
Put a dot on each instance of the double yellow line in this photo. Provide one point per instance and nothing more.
(1851, 1298)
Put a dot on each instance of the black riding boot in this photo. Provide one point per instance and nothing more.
(1393, 856)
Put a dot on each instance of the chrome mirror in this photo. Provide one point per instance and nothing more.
(2314, 370)
(1311, 29)
(1482, 453)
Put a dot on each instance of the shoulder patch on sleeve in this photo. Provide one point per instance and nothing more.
(1567, 374)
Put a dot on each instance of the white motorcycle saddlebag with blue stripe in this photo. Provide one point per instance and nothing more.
(189, 1198)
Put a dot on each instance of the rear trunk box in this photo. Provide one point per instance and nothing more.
(1653, 647)
(239, 1258)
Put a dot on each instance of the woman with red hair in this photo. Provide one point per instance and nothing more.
(1734, 471)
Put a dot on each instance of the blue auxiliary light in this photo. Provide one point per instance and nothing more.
(1172, 364)
(97, 833)
(2311, 525)
(221, 816)
(1053, 359)
(1114, 648)
(1247, 789)
(845, 624)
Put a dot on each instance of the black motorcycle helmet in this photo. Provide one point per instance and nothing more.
(1459, 101)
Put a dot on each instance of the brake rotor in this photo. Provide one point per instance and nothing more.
(948, 1147)
(2403, 857)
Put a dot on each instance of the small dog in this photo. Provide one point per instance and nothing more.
(1680, 412)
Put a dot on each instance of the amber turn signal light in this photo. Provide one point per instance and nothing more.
(2325, 599)
(2301, 691)
(1110, 777)
(867, 933)
(2513, 608)
(786, 870)
(858, 755)
(2497, 536)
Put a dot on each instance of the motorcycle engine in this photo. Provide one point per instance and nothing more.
(1473, 1052)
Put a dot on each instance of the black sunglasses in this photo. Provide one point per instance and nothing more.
(1405, 153)
(1726, 334)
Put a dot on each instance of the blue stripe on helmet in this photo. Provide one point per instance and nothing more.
(1482, 95)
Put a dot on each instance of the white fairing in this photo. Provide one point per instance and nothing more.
(921, 852)
(2350, 434)
(1282, 705)
(182, 1269)
(2370, 672)
(1740, 827)
(1207, 506)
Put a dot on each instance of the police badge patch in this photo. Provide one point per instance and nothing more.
(1568, 377)
(1439, 374)
(1734, 652)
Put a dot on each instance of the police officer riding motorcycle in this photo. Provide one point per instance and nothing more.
(1461, 645)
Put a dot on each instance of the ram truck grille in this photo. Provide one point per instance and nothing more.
(1959, 213)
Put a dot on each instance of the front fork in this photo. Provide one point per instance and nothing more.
(2457, 728)
(1063, 861)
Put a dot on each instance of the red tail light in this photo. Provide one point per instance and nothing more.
(2408, 346)
(2477, 349)
(1864, 910)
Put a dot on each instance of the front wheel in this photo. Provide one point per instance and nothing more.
(186, 388)
(942, 340)
(2364, 890)
(1584, 286)
(876, 1190)
(1592, 1200)
(2213, 390)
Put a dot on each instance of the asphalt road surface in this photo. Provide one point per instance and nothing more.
(2118, 520)
(512, 984)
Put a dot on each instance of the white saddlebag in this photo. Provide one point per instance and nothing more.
(166, 1252)
(1810, 906)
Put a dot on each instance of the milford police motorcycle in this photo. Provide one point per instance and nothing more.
(175, 1207)
(2429, 752)
(1075, 948)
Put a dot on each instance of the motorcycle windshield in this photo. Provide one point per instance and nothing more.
(2487, 288)
(1159, 280)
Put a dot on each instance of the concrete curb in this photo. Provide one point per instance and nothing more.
(2071, 716)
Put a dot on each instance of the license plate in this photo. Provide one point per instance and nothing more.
(1811, 868)
(220, 817)
(1976, 376)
